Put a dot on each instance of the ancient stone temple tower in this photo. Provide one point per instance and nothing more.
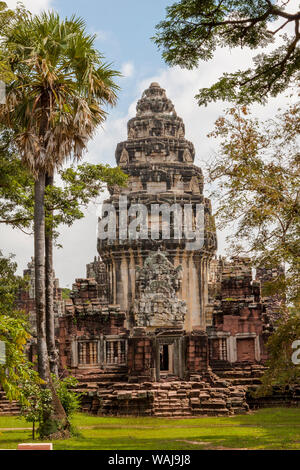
(159, 322)
(159, 325)
(160, 164)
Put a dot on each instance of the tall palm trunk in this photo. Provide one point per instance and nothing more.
(39, 257)
(50, 320)
(56, 420)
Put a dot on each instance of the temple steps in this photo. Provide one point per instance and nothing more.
(8, 407)
(244, 375)
(205, 395)
(249, 381)
(99, 378)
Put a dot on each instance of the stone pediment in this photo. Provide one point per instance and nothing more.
(158, 304)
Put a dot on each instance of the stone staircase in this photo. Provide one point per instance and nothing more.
(209, 394)
(8, 408)
(248, 376)
(224, 393)
(93, 376)
(202, 395)
(244, 374)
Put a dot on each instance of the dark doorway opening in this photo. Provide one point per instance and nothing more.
(164, 357)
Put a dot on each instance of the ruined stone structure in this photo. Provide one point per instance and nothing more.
(159, 162)
(273, 301)
(26, 298)
(159, 326)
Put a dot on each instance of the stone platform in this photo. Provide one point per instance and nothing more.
(205, 395)
(8, 408)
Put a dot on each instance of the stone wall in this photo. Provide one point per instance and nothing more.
(92, 334)
(203, 395)
(272, 301)
(26, 298)
(241, 325)
(97, 270)
(141, 361)
(196, 353)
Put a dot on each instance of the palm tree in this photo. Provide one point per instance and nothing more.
(49, 285)
(54, 104)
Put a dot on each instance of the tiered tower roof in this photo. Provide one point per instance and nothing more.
(156, 153)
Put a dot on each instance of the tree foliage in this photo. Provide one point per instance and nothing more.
(64, 203)
(194, 29)
(80, 185)
(14, 332)
(70, 399)
(257, 174)
(60, 88)
(38, 401)
(10, 284)
(281, 371)
(7, 17)
(16, 186)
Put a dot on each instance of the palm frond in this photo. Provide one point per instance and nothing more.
(60, 88)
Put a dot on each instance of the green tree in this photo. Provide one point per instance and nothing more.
(256, 181)
(69, 398)
(16, 187)
(6, 17)
(193, 29)
(38, 402)
(281, 371)
(14, 332)
(53, 106)
(80, 184)
(10, 284)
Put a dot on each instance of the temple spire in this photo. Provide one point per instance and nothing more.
(156, 134)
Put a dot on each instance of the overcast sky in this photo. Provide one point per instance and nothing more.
(124, 29)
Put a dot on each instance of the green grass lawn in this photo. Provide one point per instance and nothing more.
(275, 428)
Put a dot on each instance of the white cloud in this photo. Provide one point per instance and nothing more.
(35, 6)
(127, 69)
(101, 35)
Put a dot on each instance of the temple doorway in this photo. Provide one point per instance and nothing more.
(169, 356)
(166, 359)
